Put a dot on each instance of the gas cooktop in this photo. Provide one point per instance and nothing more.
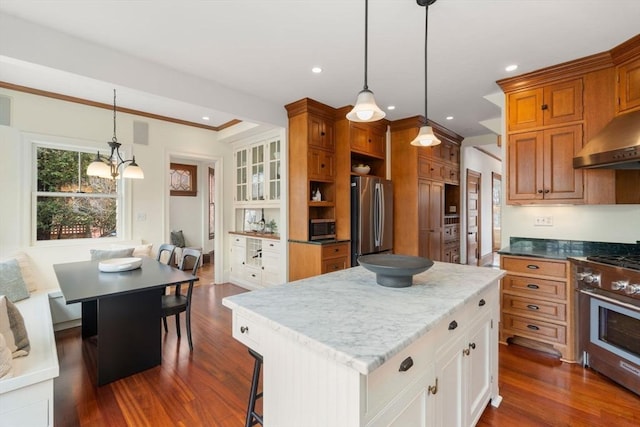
(624, 261)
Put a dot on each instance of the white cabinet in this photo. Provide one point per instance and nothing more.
(256, 262)
(257, 172)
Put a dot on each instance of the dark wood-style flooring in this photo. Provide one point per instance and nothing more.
(209, 387)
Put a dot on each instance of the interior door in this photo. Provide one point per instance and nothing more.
(473, 216)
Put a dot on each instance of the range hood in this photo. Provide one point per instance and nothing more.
(617, 146)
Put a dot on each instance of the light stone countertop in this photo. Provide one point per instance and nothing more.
(347, 316)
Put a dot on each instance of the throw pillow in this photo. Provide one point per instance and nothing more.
(13, 329)
(5, 358)
(177, 239)
(27, 270)
(138, 251)
(11, 282)
(101, 254)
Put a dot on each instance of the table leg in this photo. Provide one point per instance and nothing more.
(89, 319)
(129, 335)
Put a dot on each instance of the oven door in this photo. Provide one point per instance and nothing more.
(611, 337)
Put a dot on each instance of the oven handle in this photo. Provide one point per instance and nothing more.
(611, 300)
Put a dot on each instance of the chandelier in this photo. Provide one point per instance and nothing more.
(109, 167)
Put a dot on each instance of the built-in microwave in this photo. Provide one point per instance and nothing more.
(322, 229)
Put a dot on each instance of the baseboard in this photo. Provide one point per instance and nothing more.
(487, 259)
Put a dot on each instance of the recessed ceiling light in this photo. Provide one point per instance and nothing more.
(316, 70)
(449, 117)
(206, 118)
(391, 107)
(511, 67)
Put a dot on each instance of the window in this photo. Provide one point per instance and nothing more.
(183, 180)
(70, 204)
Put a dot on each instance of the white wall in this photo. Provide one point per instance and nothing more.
(148, 211)
(473, 159)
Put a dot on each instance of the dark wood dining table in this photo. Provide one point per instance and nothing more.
(123, 309)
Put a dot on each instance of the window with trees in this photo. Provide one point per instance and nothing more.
(70, 204)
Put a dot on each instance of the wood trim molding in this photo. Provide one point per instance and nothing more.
(90, 103)
(487, 153)
(627, 50)
(555, 73)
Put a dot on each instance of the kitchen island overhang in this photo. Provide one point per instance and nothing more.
(346, 324)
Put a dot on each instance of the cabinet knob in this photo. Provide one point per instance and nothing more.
(322, 133)
(539, 191)
(322, 165)
(546, 191)
(544, 107)
(481, 302)
(406, 364)
(244, 329)
(453, 325)
(466, 351)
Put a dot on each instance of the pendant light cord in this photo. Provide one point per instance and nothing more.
(366, 41)
(115, 139)
(426, 32)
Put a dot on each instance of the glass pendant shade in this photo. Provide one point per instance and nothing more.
(425, 137)
(99, 168)
(133, 171)
(366, 109)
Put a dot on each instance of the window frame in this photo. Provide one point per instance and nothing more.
(123, 200)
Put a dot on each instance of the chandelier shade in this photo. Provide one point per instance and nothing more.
(366, 109)
(109, 167)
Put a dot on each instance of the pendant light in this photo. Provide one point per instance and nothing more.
(366, 109)
(426, 137)
(108, 167)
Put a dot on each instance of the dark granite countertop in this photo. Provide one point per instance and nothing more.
(320, 242)
(563, 249)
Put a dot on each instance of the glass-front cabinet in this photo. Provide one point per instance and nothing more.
(258, 172)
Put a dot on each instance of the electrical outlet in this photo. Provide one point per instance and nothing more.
(543, 221)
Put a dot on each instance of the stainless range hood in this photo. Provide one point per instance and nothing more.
(617, 146)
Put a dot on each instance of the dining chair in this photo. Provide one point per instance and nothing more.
(166, 248)
(175, 303)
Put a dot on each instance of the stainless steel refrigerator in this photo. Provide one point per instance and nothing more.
(371, 216)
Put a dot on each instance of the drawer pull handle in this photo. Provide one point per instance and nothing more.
(482, 302)
(472, 345)
(453, 325)
(433, 389)
(244, 329)
(533, 307)
(532, 286)
(406, 364)
(532, 267)
(533, 327)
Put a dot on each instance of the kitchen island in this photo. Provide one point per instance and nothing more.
(341, 350)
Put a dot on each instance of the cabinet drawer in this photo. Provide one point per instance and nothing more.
(239, 241)
(335, 251)
(530, 307)
(535, 266)
(334, 264)
(246, 331)
(251, 275)
(532, 286)
(535, 329)
(270, 246)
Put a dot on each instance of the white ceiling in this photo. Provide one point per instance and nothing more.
(267, 48)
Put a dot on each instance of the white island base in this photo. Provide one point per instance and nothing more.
(340, 350)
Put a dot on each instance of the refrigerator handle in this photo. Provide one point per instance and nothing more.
(376, 214)
(381, 214)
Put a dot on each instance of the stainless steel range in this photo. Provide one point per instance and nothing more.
(609, 316)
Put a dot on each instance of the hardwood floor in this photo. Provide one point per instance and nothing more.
(210, 386)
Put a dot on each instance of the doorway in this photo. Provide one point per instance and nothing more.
(473, 216)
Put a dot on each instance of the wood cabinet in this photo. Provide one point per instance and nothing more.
(540, 166)
(628, 86)
(368, 139)
(588, 91)
(545, 106)
(312, 259)
(451, 251)
(321, 132)
(538, 303)
(422, 176)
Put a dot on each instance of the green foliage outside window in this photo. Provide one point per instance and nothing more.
(70, 204)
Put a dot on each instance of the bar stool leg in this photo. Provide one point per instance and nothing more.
(252, 416)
